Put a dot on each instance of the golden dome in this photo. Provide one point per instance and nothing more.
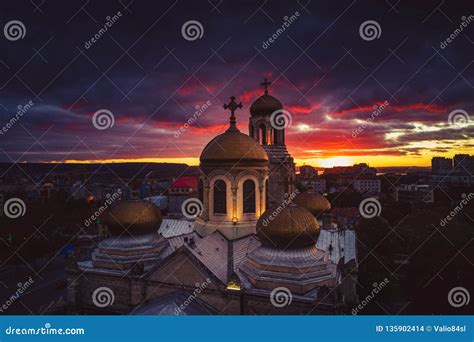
(316, 203)
(233, 147)
(265, 105)
(136, 217)
(292, 227)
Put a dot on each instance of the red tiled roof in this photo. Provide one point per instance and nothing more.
(185, 182)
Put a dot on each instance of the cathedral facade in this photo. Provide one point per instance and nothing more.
(257, 246)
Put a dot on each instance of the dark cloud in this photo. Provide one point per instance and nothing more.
(152, 79)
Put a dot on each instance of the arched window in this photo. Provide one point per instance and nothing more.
(262, 134)
(220, 197)
(249, 196)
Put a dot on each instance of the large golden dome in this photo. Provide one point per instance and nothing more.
(316, 203)
(136, 217)
(233, 147)
(265, 105)
(291, 227)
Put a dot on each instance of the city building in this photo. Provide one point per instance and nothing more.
(414, 193)
(441, 165)
(307, 172)
(367, 184)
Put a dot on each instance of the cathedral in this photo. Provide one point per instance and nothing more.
(255, 244)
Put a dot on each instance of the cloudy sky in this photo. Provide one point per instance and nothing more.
(150, 77)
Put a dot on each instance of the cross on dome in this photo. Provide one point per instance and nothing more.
(232, 106)
(265, 84)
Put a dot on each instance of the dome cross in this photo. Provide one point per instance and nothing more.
(265, 84)
(232, 106)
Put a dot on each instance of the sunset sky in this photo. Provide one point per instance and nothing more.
(152, 80)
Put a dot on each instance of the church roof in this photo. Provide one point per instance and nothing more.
(185, 182)
(134, 217)
(233, 147)
(289, 227)
(265, 105)
(172, 304)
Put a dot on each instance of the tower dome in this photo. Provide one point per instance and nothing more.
(232, 146)
(135, 217)
(292, 227)
(316, 203)
(265, 105)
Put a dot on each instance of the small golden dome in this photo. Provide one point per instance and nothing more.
(233, 147)
(316, 203)
(265, 105)
(136, 217)
(290, 227)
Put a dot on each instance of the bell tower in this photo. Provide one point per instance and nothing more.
(264, 128)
